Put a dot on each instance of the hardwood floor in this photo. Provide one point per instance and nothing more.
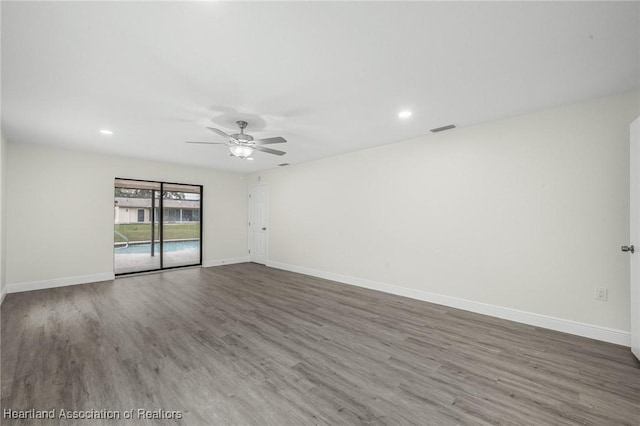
(248, 345)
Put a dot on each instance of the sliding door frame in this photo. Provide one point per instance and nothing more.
(161, 227)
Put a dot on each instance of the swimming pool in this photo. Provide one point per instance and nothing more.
(167, 246)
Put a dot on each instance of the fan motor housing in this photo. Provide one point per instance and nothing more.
(242, 137)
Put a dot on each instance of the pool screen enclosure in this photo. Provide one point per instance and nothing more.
(156, 225)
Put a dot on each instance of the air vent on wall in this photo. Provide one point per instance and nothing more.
(443, 128)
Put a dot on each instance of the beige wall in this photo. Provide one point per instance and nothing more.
(60, 212)
(126, 215)
(129, 215)
(526, 213)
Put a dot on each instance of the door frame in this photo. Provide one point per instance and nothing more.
(160, 230)
(634, 235)
(266, 220)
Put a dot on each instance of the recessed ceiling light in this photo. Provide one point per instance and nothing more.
(404, 114)
(106, 132)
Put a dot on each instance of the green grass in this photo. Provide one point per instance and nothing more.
(142, 231)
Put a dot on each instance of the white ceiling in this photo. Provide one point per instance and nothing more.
(329, 77)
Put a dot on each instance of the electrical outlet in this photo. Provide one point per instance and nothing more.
(601, 293)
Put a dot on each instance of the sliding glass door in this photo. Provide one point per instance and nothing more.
(181, 229)
(156, 226)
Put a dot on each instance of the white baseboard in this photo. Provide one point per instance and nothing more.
(59, 282)
(596, 332)
(2, 295)
(85, 279)
(230, 261)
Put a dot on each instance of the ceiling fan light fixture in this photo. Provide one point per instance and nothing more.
(241, 151)
(242, 145)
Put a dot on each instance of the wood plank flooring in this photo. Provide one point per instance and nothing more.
(249, 345)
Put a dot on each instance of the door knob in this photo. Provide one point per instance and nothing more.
(628, 248)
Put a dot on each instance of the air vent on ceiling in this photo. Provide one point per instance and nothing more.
(443, 128)
(283, 164)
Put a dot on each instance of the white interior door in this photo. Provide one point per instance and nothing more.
(635, 237)
(258, 224)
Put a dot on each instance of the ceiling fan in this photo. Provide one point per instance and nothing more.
(242, 145)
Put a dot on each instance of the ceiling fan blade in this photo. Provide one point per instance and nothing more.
(269, 150)
(268, 141)
(220, 132)
(208, 143)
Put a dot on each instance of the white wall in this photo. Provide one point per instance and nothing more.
(527, 213)
(2, 196)
(3, 180)
(60, 211)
